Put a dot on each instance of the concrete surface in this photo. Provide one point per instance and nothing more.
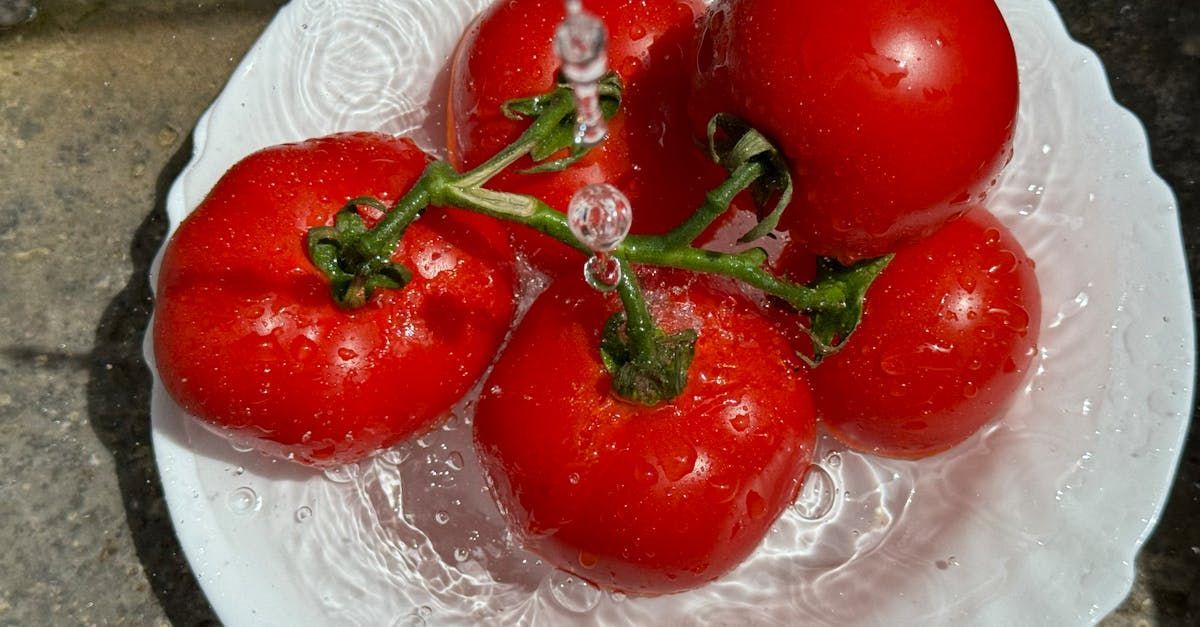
(97, 100)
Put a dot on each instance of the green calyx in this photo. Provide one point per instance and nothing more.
(830, 328)
(559, 104)
(354, 270)
(652, 373)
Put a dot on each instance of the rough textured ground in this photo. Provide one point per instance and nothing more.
(97, 100)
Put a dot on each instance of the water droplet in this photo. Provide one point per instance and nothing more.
(441, 517)
(817, 495)
(244, 501)
(756, 505)
(834, 459)
(678, 460)
(573, 478)
(645, 474)
(455, 461)
(602, 272)
(302, 348)
(346, 354)
(461, 554)
(970, 389)
(1070, 309)
(303, 513)
(599, 216)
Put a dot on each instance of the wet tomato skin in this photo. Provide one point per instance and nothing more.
(948, 333)
(649, 153)
(895, 116)
(248, 338)
(645, 500)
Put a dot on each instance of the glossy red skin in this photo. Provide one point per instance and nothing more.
(642, 500)
(948, 333)
(508, 53)
(248, 339)
(895, 115)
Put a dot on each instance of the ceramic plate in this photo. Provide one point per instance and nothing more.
(1036, 520)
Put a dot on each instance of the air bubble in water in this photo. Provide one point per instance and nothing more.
(244, 501)
(816, 497)
(441, 517)
(303, 513)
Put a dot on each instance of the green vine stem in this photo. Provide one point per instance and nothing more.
(648, 365)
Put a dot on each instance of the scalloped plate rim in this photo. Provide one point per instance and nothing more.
(195, 524)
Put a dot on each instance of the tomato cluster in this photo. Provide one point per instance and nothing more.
(892, 120)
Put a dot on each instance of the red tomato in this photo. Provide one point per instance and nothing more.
(896, 116)
(645, 500)
(248, 338)
(948, 332)
(508, 53)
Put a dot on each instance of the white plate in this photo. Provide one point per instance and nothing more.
(1035, 521)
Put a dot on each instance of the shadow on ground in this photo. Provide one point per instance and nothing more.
(118, 402)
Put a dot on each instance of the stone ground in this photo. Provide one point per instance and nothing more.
(97, 101)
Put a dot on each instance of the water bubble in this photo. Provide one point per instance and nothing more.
(602, 272)
(461, 554)
(816, 498)
(244, 501)
(599, 216)
(455, 461)
(441, 517)
(303, 513)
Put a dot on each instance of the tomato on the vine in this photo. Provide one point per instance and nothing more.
(895, 116)
(248, 338)
(508, 53)
(947, 335)
(645, 500)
